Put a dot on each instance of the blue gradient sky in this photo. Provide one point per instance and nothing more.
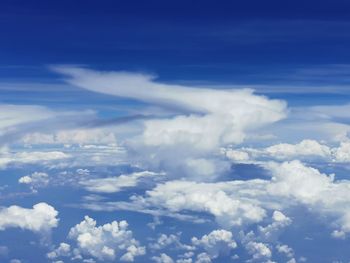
(297, 52)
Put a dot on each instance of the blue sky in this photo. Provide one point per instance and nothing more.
(174, 131)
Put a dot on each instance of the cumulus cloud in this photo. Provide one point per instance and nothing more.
(216, 243)
(312, 188)
(63, 250)
(307, 150)
(258, 250)
(205, 119)
(218, 199)
(116, 184)
(35, 180)
(41, 218)
(105, 243)
(342, 153)
(163, 258)
(172, 240)
(237, 203)
(304, 148)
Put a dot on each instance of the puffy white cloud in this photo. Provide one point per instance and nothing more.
(203, 258)
(270, 232)
(218, 199)
(163, 258)
(304, 148)
(238, 203)
(105, 242)
(203, 119)
(284, 249)
(308, 186)
(293, 179)
(41, 218)
(63, 250)
(172, 240)
(116, 184)
(36, 179)
(342, 153)
(240, 156)
(258, 250)
(216, 243)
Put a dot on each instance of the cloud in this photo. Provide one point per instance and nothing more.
(308, 150)
(342, 153)
(205, 118)
(171, 240)
(304, 148)
(258, 250)
(40, 219)
(203, 258)
(74, 136)
(116, 184)
(35, 180)
(105, 243)
(286, 250)
(235, 204)
(216, 243)
(63, 250)
(11, 115)
(20, 120)
(217, 199)
(163, 258)
(31, 157)
(316, 190)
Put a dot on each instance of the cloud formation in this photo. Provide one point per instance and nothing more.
(41, 218)
(104, 243)
(205, 119)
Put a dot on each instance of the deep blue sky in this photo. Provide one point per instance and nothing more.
(298, 51)
(227, 41)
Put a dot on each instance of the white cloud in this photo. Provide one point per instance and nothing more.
(171, 240)
(116, 184)
(308, 186)
(304, 148)
(11, 115)
(74, 136)
(203, 258)
(216, 243)
(105, 242)
(41, 218)
(284, 249)
(163, 258)
(35, 180)
(31, 157)
(205, 118)
(258, 250)
(218, 199)
(63, 250)
(235, 203)
(271, 232)
(293, 179)
(342, 153)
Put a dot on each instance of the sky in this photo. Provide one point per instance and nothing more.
(174, 131)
